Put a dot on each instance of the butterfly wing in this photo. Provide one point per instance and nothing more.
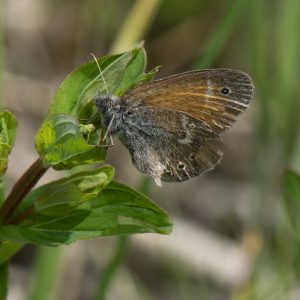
(212, 97)
(161, 147)
(188, 160)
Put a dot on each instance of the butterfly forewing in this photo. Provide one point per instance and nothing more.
(213, 97)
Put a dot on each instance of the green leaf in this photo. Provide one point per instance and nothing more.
(85, 82)
(8, 126)
(62, 146)
(3, 281)
(61, 141)
(133, 72)
(112, 77)
(7, 250)
(80, 80)
(1, 191)
(63, 195)
(291, 192)
(149, 76)
(116, 210)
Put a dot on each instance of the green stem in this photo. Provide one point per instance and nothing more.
(136, 24)
(20, 189)
(220, 36)
(111, 268)
(3, 281)
(47, 274)
(21, 217)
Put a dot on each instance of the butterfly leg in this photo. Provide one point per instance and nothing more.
(107, 133)
(111, 141)
(110, 144)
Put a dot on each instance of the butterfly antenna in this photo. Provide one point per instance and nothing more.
(100, 71)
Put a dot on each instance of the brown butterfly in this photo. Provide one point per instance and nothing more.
(170, 125)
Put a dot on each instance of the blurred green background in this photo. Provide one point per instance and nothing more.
(232, 238)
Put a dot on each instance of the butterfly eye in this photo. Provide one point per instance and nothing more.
(180, 166)
(225, 90)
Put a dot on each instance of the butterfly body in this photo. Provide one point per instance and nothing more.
(171, 126)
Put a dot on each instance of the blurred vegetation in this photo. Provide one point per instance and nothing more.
(45, 40)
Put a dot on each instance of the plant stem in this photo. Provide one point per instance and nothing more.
(220, 36)
(136, 24)
(3, 281)
(111, 268)
(19, 218)
(48, 270)
(20, 189)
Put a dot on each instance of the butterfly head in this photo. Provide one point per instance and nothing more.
(106, 103)
(109, 107)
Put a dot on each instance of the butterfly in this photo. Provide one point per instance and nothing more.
(171, 126)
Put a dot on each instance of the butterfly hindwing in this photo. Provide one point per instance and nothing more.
(167, 152)
(187, 161)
